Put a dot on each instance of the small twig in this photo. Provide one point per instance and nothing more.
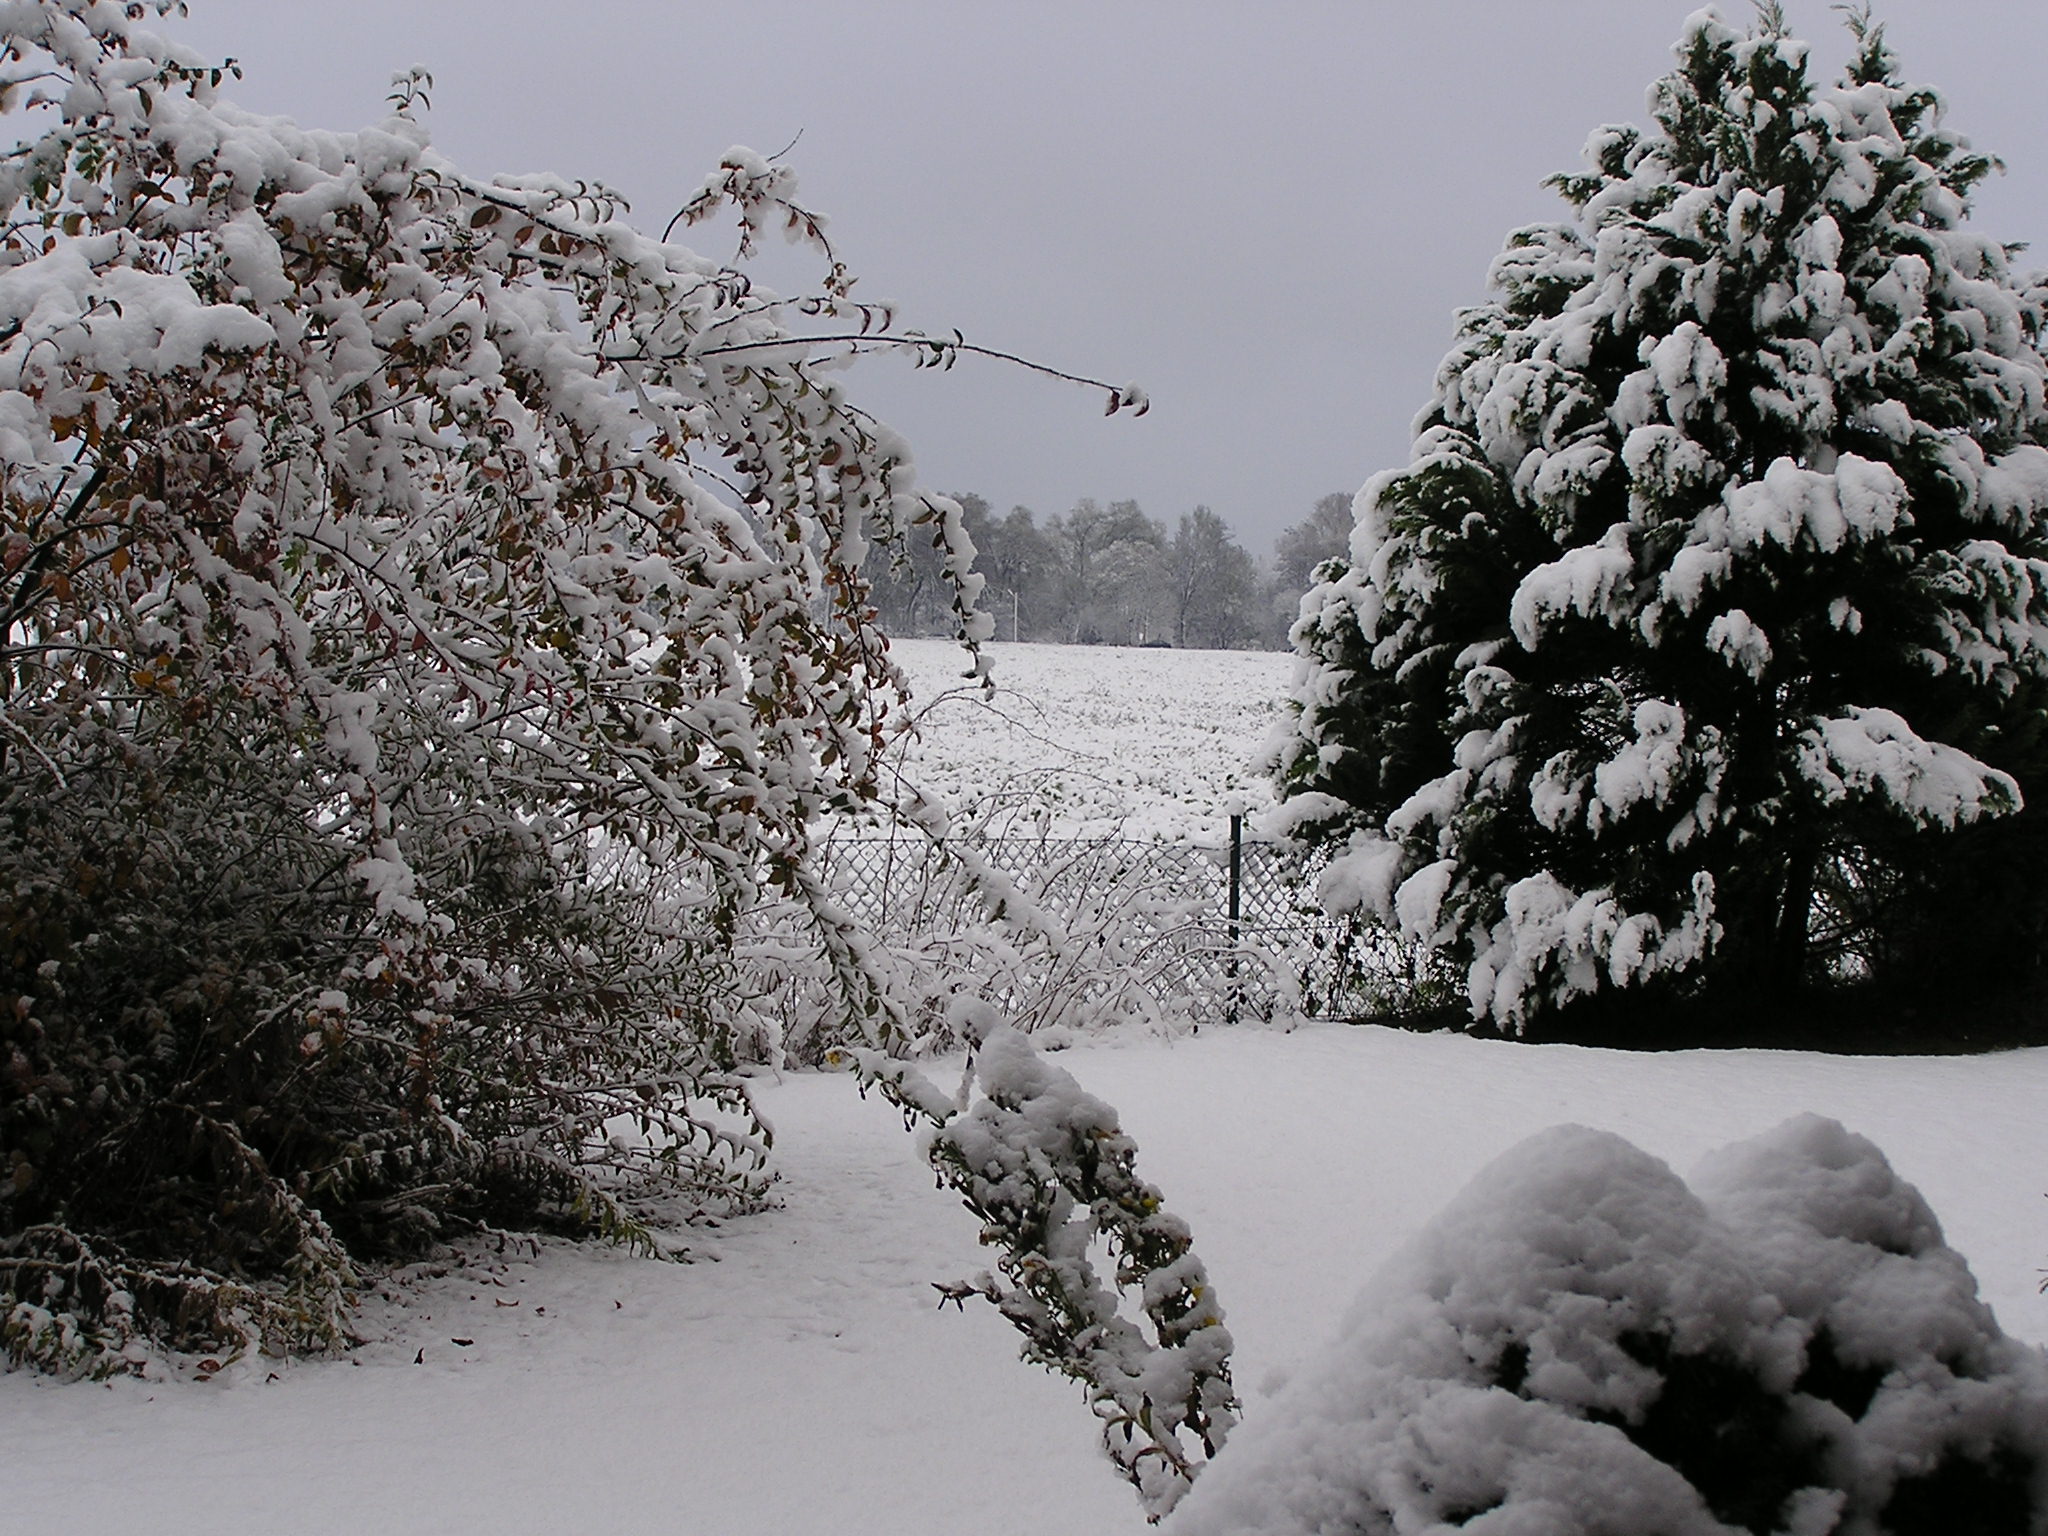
(32, 573)
(48, 762)
(1120, 395)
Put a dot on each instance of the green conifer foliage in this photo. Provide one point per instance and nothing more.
(1701, 647)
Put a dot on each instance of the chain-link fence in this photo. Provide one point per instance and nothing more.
(1222, 930)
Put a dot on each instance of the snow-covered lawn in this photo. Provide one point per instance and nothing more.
(806, 1383)
(801, 1379)
(1105, 740)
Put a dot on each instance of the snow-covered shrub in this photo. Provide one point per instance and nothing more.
(357, 577)
(1703, 645)
(432, 618)
(218, 1105)
(1582, 1344)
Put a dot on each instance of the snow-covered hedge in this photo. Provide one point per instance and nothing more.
(1583, 1345)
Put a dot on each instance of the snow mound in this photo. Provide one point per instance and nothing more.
(1583, 1345)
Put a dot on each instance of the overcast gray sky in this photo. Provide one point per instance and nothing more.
(1264, 213)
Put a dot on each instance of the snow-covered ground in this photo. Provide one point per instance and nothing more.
(800, 1379)
(806, 1383)
(1100, 740)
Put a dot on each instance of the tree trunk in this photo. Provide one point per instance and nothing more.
(1787, 964)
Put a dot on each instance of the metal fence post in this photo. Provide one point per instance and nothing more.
(1236, 905)
(1236, 874)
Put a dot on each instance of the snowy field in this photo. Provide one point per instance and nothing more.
(805, 1383)
(1098, 740)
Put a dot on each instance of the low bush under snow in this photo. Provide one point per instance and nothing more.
(1583, 1344)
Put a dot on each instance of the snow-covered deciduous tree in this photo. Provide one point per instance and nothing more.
(402, 571)
(1325, 534)
(1702, 647)
(1109, 571)
(433, 624)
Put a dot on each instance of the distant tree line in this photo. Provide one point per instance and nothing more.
(1114, 575)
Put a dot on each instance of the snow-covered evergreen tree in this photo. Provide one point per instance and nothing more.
(1711, 615)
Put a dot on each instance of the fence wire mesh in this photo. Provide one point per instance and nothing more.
(1229, 929)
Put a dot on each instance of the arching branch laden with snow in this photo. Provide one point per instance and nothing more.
(1718, 571)
(326, 422)
(1051, 1173)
